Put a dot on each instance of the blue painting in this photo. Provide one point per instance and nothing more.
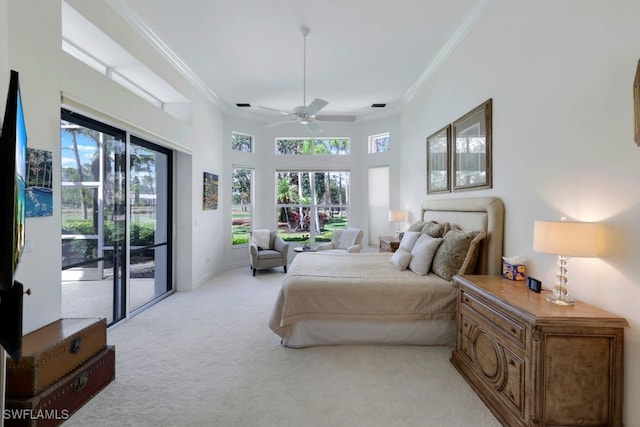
(39, 197)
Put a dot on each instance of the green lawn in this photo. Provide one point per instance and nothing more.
(242, 225)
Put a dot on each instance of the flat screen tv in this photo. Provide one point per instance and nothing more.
(13, 150)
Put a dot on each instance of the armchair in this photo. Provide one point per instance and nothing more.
(267, 250)
(348, 240)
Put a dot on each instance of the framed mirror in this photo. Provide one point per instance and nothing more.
(438, 161)
(471, 135)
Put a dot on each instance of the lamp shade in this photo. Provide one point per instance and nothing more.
(578, 239)
(396, 216)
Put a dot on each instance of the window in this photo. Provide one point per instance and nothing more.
(241, 205)
(311, 204)
(379, 143)
(304, 147)
(241, 142)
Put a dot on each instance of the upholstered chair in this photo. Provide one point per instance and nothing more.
(267, 250)
(344, 241)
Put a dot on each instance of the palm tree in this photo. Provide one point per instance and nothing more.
(74, 131)
(287, 194)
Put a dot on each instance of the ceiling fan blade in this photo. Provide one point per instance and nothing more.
(313, 127)
(270, 125)
(284, 113)
(315, 106)
(341, 118)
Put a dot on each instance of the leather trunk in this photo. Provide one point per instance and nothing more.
(51, 352)
(57, 403)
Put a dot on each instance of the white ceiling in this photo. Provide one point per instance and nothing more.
(359, 52)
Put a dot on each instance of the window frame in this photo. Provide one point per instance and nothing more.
(314, 210)
(251, 170)
(372, 142)
(251, 143)
(317, 143)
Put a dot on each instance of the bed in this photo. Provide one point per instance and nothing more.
(362, 298)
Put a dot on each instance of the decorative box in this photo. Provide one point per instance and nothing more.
(513, 270)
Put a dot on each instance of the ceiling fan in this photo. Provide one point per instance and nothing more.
(307, 114)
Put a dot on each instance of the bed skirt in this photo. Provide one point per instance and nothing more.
(309, 333)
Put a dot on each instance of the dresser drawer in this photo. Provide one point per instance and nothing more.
(512, 328)
(493, 360)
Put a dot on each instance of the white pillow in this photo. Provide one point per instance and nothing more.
(409, 239)
(422, 254)
(262, 238)
(348, 238)
(400, 259)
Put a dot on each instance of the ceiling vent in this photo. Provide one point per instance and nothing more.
(378, 105)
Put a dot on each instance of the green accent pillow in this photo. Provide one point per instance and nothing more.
(436, 229)
(458, 253)
(417, 226)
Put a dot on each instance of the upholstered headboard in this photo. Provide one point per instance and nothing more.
(475, 213)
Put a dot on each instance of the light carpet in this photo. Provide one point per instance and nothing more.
(207, 358)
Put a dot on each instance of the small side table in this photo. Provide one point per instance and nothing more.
(388, 243)
(301, 249)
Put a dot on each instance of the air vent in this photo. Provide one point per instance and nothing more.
(242, 105)
(378, 105)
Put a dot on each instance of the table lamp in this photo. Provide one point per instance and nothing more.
(565, 238)
(396, 216)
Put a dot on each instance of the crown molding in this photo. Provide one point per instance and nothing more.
(129, 15)
(467, 25)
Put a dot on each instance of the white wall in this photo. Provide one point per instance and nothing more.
(33, 48)
(560, 75)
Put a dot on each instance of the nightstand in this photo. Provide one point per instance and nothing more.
(388, 243)
(538, 364)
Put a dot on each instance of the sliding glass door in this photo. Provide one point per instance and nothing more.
(150, 244)
(116, 220)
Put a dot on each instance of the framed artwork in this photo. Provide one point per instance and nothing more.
(39, 195)
(210, 192)
(471, 135)
(438, 161)
(636, 105)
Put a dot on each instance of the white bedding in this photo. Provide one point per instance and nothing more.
(358, 287)
(360, 291)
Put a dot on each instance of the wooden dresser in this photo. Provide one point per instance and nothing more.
(534, 363)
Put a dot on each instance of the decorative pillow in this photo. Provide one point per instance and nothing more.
(436, 229)
(408, 240)
(348, 238)
(400, 259)
(422, 254)
(417, 226)
(262, 238)
(458, 253)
